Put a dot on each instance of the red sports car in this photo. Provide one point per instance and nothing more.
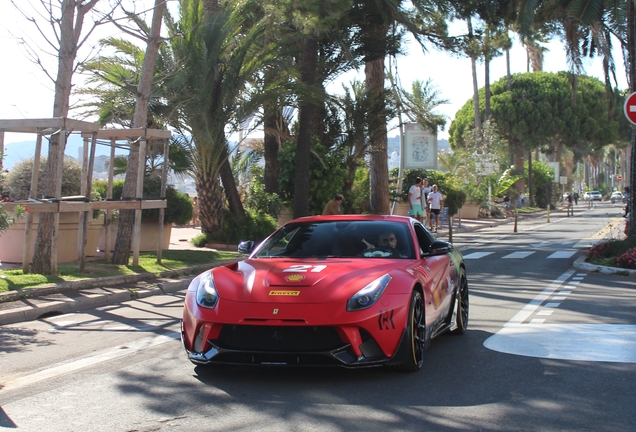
(349, 290)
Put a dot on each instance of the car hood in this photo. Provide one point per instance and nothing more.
(304, 281)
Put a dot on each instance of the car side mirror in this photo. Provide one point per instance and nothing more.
(440, 248)
(246, 247)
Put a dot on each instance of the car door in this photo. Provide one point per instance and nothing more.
(435, 270)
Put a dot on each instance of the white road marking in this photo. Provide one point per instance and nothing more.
(540, 245)
(580, 342)
(562, 254)
(565, 293)
(477, 255)
(517, 255)
(10, 383)
(531, 307)
(558, 298)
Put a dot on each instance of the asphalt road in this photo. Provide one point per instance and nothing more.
(549, 348)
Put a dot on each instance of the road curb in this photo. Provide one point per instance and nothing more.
(45, 300)
(580, 264)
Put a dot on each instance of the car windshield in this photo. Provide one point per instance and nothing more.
(339, 239)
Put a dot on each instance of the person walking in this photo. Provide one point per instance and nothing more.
(415, 200)
(436, 200)
(426, 189)
(334, 207)
(570, 209)
(195, 212)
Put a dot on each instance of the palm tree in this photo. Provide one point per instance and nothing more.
(219, 53)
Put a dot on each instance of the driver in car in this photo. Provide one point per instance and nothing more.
(386, 240)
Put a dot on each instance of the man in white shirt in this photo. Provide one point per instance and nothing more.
(435, 200)
(415, 200)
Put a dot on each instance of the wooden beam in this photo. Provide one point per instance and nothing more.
(46, 126)
(133, 134)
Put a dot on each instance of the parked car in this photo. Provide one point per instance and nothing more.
(617, 197)
(349, 290)
(592, 196)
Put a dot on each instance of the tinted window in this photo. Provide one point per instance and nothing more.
(344, 239)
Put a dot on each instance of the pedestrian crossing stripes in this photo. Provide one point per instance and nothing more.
(477, 255)
(562, 254)
(565, 254)
(519, 255)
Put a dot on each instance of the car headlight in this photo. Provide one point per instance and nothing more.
(207, 296)
(368, 295)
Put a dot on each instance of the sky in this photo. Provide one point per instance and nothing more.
(26, 92)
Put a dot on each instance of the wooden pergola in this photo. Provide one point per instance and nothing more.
(142, 137)
(81, 203)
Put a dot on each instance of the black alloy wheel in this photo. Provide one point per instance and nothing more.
(462, 305)
(416, 331)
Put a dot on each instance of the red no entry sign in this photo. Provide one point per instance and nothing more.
(630, 108)
(620, 177)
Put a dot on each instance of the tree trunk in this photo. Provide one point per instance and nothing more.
(303, 146)
(66, 57)
(530, 194)
(380, 202)
(508, 74)
(210, 197)
(535, 56)
(473, 65)
(121, 251)
(231, 192)
(271, 146)
(486, 89)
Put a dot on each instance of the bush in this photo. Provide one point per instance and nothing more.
(259, 225)
(18, 181)
(327, 175)
(621, 253)
(627, 260)
(259, 200)
(179, 208)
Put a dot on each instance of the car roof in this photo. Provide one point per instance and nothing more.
(355, 217)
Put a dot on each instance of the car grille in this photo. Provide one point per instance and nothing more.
(279, 338)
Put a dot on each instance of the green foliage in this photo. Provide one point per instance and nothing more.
(505, 182)
(542, 176)
(260, 201)
(259, 225)
(18, 181)
(357, 201)
(539, 111)
(179, 208)
(327, 175)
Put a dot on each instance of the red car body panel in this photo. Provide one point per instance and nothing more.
(312, 293)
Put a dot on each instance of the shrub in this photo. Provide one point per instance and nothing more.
(260, 201)
(606, 249)
(627, 260)
(259, 225)
(18, 181)
(179, 208)
(327, 175)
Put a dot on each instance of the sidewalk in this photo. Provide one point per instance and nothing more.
(91, 293)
